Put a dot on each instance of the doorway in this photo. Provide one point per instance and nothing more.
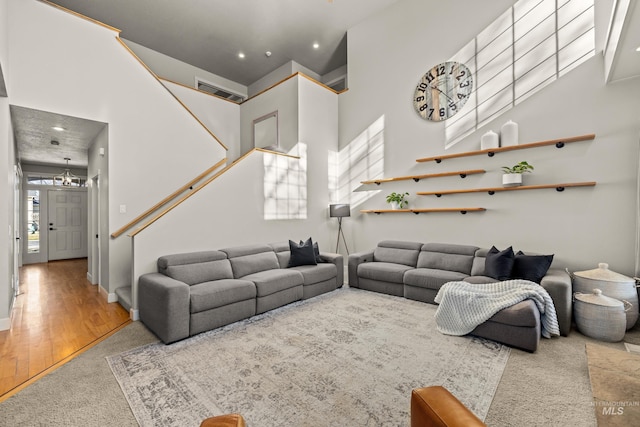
(67, 224)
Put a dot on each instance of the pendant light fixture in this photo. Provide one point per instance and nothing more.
(66, 178)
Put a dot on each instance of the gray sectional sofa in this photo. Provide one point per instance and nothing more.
(195, 292)
(417, 271)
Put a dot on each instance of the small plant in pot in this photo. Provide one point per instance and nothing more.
(512, 176)
(397, 200)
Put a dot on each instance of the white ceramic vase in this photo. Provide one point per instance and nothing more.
(509, 134)
(489, 140)
(511, 179)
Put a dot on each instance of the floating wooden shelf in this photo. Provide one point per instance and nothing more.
(559, 143)
(493, 190)
(417, 178)
(426, 210)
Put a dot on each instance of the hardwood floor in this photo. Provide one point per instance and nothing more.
(57, 315)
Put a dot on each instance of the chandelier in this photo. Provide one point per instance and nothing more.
(66, 178)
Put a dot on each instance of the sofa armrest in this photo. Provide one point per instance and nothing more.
(338, 260)
(557, 283)
(164, 306)
(354, 261)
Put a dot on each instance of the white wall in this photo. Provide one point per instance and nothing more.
(99, 167)
(6, 187)
(181, 72)
(282, 98)
(279, 74)
(387, 55)
(155, 145)
(221, 117)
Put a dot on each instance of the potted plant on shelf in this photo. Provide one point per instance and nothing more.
(397, 200)
(512, 176)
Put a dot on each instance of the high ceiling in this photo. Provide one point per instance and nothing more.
(210, 34)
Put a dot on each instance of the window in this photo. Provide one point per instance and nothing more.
(285, 185)
(33, 221)
(528, 47)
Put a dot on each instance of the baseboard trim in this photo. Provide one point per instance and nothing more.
(111, 297)
(5, 324)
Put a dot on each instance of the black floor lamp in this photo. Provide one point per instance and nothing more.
(340, 211)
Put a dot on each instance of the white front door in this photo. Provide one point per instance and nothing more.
(67, 224)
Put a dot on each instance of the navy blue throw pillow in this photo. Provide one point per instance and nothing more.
(498, 264)
(531, 267)
(301, 254)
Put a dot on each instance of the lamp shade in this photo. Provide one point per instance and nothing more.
(339, 210)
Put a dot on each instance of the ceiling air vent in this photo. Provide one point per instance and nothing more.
(223, 93)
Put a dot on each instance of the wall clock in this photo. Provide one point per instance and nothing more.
(442, 91)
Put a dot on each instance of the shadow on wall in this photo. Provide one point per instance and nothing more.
(361, 160)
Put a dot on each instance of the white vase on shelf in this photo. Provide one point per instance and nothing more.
(509, 134)
(489, 140)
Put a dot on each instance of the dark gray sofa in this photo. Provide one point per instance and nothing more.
(417, 271)
(196, 292)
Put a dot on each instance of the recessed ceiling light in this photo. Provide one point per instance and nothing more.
(54, 142)
(316, 45)
(58, 128)
(268, 53)
(638, 49)
(241, 55)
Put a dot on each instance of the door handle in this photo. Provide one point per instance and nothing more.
(52, 229)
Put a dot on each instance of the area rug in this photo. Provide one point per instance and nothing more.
(349, 357)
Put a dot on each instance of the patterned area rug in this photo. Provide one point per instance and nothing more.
(350, 357)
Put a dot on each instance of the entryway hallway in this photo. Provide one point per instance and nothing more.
(58, 314)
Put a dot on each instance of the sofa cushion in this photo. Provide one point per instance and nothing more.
(397, 252)
(479, 280)
(445, 256)
(383, 271)
(271, 281)
(498, 264)
(312, 274)
(196, 267)
(251, 259)
(218, 293)
(301, 253)
(531, 267)
(520, 314)
(431, 278)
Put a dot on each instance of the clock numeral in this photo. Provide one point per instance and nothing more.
(440, 71)
(443, 112)
(423, 107)
(464, 84)
(420, 98)
(453, 105)
(461, 75)
(461, 96)
(429, 77)
(430, 112)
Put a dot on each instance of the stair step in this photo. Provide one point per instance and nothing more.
(124, 297)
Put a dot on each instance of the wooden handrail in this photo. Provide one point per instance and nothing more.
(79, 15)
(288, 78)
(202, 185)
(491, 190)
(491, 151)
(172, 94)
(167, 199)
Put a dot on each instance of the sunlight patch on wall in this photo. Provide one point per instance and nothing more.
(362, 159)
(528, 47)
(285, 184)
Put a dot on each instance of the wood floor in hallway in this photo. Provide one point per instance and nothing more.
(57, 315)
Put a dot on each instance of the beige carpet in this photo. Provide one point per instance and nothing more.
(350, 357)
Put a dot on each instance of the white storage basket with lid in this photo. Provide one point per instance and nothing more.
(599, 316)
(612, 284)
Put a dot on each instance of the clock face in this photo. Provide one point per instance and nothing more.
(442, 91)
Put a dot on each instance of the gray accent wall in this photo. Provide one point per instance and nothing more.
(387, 55)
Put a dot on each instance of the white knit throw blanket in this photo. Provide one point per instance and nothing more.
(463, 305)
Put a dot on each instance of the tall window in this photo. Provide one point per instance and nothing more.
(529, 46)
(33, 221)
